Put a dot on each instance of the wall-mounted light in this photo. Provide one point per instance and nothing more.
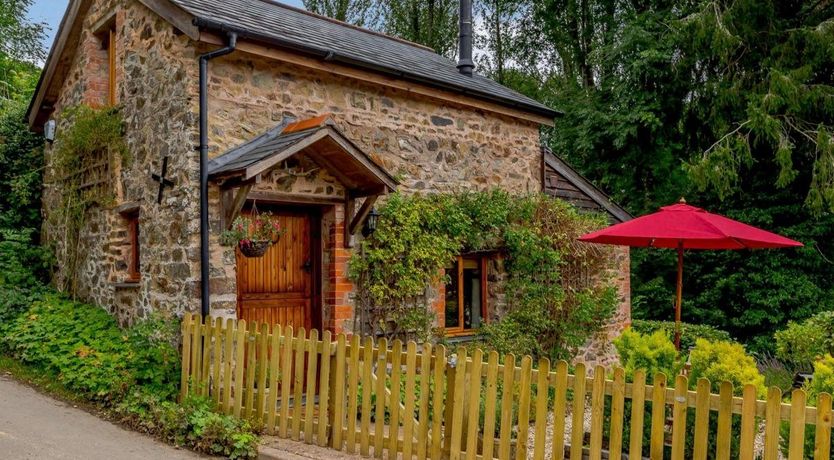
(370, 223)
(49, 131)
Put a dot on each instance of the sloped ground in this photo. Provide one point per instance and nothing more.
(35, 426)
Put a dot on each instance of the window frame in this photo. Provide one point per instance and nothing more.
(134, 268)
(482, 260)
(111, 66)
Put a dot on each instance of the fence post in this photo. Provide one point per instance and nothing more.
(448, 421)
(186, 355)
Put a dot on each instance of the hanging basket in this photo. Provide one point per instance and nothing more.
(251, 248)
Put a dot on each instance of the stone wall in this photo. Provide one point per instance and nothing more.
(428, 144)
(156, 82)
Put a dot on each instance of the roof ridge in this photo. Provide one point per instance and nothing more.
(348, 25)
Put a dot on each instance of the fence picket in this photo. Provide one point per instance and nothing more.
(394, 405)
(457, 405)
(658, 417)
(367, 388)
(425, 378)
(186, 355)
(353, 392)
(748, 422)
(559, 409)
(207, 331)
(471, 413)
(725, 419)
(324, 389)
(228, 359)
(437, 402)
(381, 376)
(310, 392)
(577, 433)
(699, 448)
(408, 413)
(542, 390)
(240, 350)
(298, 384)
(679, 418)
(822, 437)
(796, 441)
(506, 407)
(275, 378)
(638, 412)
(772, 422)
(263, 361)
(286, 381)
(615, 440)
(597, 411)
(217, 360)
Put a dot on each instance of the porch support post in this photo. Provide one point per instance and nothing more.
(232, 201)
(361, 215)
(350, 208)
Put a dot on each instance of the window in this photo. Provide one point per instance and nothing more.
(133, 273)
(466, 294)
(111, 66)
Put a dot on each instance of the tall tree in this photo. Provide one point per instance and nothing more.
(433, 23)
(21, 49)
(362, 13)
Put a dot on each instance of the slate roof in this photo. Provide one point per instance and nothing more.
(288, 27)
(256, 150)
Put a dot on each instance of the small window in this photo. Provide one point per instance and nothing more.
(133, 273)
(466, 294)
(110, 45)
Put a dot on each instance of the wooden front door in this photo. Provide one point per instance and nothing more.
(278, 287)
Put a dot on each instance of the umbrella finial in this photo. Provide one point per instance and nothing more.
(682, 200)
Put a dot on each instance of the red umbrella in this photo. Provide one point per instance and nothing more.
(682, 226)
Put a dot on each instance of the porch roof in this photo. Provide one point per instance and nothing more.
(318, 139)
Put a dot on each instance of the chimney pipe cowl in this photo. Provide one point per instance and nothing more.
(465, 64)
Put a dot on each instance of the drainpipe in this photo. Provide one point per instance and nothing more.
(204, 226)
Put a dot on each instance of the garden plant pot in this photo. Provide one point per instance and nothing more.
(254, 248)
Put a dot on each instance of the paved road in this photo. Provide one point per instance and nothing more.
(34, 426)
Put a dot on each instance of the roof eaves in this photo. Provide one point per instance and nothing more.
(329, 55)
(588, 187)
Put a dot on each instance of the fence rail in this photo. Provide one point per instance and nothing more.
(372, 398)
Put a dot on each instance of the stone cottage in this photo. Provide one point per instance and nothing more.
(275, 108)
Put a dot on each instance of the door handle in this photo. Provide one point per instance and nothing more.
(308, 266)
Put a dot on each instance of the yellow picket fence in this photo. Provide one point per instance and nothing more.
(375, 398)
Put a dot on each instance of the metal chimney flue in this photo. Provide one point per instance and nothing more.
(465, 64)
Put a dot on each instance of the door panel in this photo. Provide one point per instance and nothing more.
(277, 288)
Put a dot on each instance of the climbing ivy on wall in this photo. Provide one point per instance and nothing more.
(81, 168)
(558, 290)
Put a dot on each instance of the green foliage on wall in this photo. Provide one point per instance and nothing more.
(87, 146)
(553, 306)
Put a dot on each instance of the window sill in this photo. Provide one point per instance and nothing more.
(127, 284)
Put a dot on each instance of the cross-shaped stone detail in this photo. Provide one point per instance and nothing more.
(162, 179)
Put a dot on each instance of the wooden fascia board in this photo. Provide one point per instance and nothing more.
(76, 10)
(361, 157)
(175, 15)
(250, 47)
(586, 187)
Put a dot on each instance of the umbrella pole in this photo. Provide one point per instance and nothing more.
(678, 298)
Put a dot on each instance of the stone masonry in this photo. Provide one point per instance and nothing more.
(429, 145)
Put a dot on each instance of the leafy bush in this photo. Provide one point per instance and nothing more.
(689, 332)
(195, 423)
(84, 347)
(653, 353)
(724, 361)
(803, 343)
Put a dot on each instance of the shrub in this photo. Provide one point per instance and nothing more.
(689, 332)
(822, 382)
(724, 361)
(84, 347)
(653, 353)
(195, 423)
(802, 343)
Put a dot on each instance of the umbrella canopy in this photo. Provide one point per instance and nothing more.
(682, 226)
